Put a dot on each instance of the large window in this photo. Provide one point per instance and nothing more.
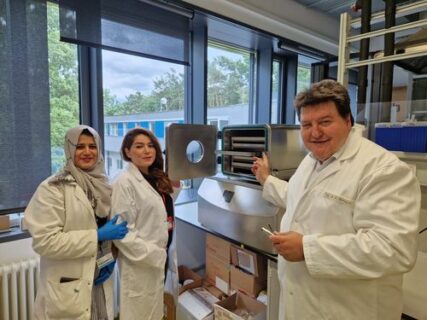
(303, 75)
(138, 92)
(229, 89)
(144, 85)
(275, 93)
(304, 72)
(63, 87)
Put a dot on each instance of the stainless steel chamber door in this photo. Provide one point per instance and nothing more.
(231, 206)
(190, 151)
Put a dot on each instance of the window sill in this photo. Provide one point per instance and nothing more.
(14, 233)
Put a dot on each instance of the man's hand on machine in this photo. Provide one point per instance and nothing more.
(260, 168)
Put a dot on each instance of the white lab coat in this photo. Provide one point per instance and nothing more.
(62, 224)
(359, 219)
(142, 253)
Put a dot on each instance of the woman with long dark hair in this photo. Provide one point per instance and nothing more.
(143, 196)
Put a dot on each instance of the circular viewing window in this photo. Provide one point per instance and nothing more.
(195, 151)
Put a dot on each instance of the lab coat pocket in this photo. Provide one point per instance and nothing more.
(339, 199)
(67, 299)
(333, 212)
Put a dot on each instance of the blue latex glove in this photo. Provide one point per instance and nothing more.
(112, 231)
(105, 273)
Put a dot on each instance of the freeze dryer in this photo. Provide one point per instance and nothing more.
(229, 198)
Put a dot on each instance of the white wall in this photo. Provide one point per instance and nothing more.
(15, 251)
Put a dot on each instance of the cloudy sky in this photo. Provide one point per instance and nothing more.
(125, 74)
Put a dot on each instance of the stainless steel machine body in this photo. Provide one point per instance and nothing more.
(238, 211)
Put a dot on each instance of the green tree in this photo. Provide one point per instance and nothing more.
(112, 106)
(63, 86)
(171, 87)
(303, 77)
(139, 103)
(228, 81)
(227, 85)
(275, 77)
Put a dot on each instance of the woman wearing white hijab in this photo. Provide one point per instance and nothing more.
(67, 219)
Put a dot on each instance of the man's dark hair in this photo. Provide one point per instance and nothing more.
(325, 91)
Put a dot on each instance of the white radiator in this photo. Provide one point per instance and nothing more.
(18, 289)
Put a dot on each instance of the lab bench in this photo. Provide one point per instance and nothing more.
(191, 237)
(12, 234)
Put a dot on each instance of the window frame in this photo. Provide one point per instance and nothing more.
(252, 94)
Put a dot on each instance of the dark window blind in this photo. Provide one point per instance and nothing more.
(128, 26)
(24, 102)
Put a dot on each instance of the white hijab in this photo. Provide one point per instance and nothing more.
(94, 182)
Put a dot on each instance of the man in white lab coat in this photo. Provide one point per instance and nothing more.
(352, 215)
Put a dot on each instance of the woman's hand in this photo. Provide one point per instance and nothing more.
(105, 273)
(113, 231)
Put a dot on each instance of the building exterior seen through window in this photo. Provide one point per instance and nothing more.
(138, 92)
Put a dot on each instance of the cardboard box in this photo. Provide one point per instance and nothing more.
(246, 282)
(249, 261)
(185, 273)
(169, 306)
(240, 307)
(248, 272)
(213, 290)
(4, 222)
(217, 272)
(196, 304)
(218, 247)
